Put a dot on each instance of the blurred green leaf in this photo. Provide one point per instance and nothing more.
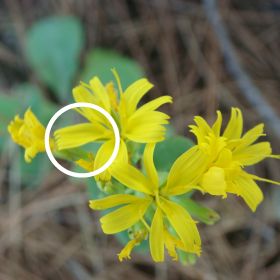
(204, 214)
(167, 151)
(9, 106)
(170, 131)
(186, 258)
(53, 48)
(32, 96)
(33, 173)
(99, 62)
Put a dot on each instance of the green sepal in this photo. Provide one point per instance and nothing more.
(186, 258)
(202, 213)
(73, 154)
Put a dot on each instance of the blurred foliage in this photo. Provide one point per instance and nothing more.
(8, 109)
(99, 61)
(204, 214)
(53, 49)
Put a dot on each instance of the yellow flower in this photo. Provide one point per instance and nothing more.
(30, 134)
(143, 125)
(228, 154)
(157, 196)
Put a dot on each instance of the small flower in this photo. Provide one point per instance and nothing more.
(143, 125)
(158, 196)
(30, 134)
(227, 155)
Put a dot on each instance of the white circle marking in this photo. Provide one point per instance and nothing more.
(76, 174)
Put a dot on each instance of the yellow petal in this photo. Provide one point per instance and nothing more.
(125, 217)
(31, 121)
(14, 128)
(250, 137)
(224, 159)
(30, 153)
(200, 135)
(172, 242)
(214, 182)
(202, 124)
(118, 81)
(235, 125)
(156, 237)
(253, 154)
(89, 166)
(131, 177)
(215, 146)
(149, 164)
(125, 253)
(182, 223)
(113, 95)
(82, 94)
(251, 176)
(100, 92)
(134, 93)
(153, 105)
(146, 136)
(233, 188)
(148, 117)
(112, 201)
(103, 155)
(187, 168)
(146, 127)
(217, 125)
(251, 193)
(78, 135)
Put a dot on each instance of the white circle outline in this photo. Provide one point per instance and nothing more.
(76, 174)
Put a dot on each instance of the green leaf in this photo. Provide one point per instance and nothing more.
(8, 109)
(204, 214)
(186, 258)
(99, 62)
(32, 174)
(32, 96)
(53, 48)
(167, 152)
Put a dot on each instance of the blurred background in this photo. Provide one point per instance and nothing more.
(206, 55)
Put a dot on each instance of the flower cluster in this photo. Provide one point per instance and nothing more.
(147, 206)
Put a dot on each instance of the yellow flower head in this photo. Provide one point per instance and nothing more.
(143, 125)
(30, 134)
(227, 154)
(158, 197)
